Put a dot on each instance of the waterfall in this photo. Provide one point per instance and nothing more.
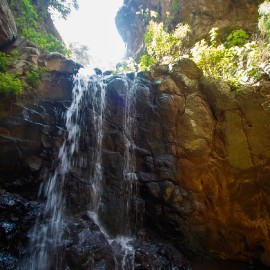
(128, 212)
(129, 168)
(46, 237)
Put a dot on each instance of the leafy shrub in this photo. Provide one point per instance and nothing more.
(34, 75)
(236, 65)
(9, 83)
(27, 24)
(163, 47)
(16, 83)
(237, 38)
(7, 59)
(146, 61)
(44, 41)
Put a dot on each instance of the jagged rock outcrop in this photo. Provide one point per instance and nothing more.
(202, 15)
(8, 30)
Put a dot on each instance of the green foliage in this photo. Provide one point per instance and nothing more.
(44, 41)
(236, 65)
(237, 38)
(34, 75)
(16, 83)
(27, 24)
(7, 59)
(28, 16)
(163, 47)
(146, 61)
(264, 20)
(9, 83)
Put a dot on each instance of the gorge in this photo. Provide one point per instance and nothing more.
(148, 170)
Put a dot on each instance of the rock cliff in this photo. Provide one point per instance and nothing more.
(8, 30)
(201, 15)
(202, 162)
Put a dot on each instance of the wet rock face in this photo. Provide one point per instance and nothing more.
(202, 170)
(201, 15)
(8, 30)
(85, 246)
(17, 216)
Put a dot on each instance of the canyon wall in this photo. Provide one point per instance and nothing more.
(201, 15)
(202, 162)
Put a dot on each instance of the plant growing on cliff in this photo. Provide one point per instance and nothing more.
(239, 64)
(9, 83)
(163, 47)
(237, 38)
(27, 24)
(7, 59)
(34, 75)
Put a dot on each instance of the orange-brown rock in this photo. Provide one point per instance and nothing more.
(218, 140)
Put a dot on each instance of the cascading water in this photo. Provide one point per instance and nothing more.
(130, 210)
(129, 168)
(47, 234)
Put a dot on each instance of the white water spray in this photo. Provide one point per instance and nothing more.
(47, 233)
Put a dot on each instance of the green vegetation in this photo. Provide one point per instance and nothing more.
(33, 76)
(240, 60)
(237, 38)
(27, 23)
(237, 65)
(7, 60)
(16, 83)
(163, 47)
(9, 83)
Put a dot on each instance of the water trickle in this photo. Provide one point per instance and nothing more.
(98, 105)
